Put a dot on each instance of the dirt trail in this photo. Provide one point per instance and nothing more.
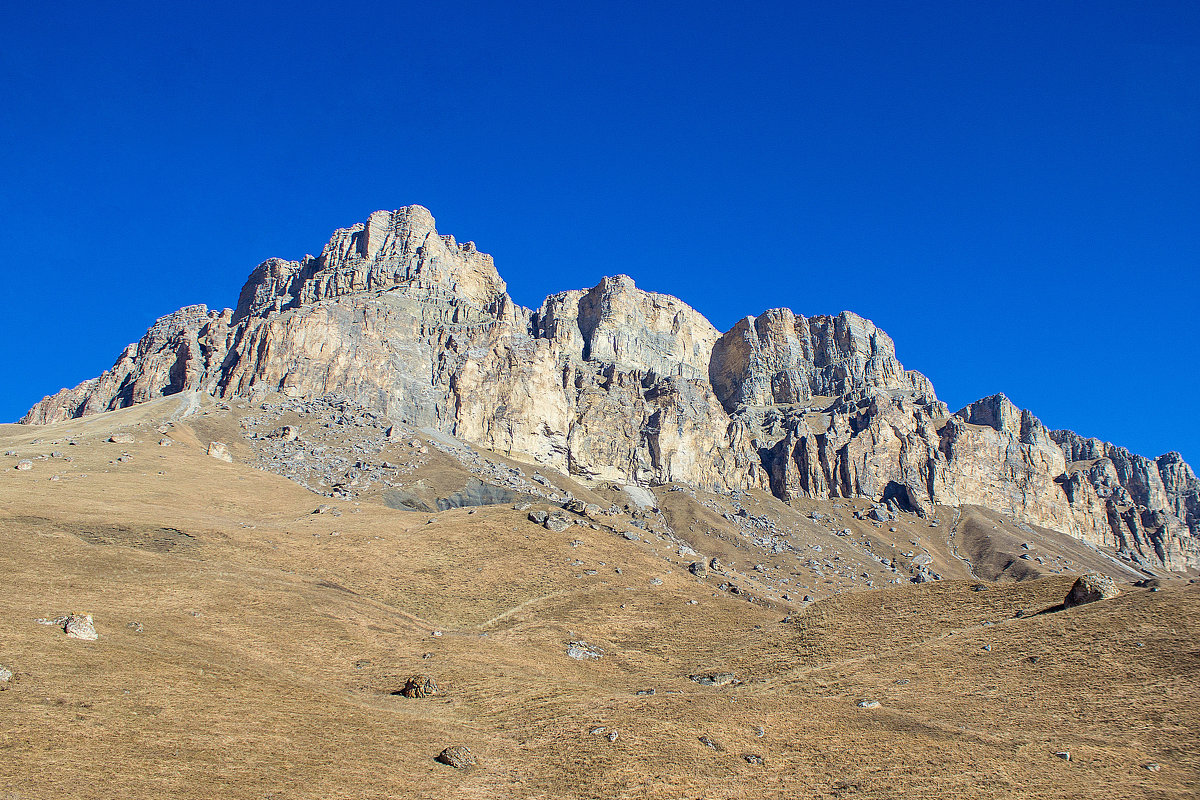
(950, 540)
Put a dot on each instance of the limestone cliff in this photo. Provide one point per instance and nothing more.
(617, 383)
(1147, 508)
(177, 353)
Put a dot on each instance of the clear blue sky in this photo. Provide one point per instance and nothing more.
(1011, 190)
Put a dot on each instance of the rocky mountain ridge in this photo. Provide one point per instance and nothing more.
(615, 383)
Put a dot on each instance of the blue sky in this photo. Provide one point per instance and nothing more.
(1011, 190)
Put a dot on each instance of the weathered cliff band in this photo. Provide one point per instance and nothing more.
(617, 383)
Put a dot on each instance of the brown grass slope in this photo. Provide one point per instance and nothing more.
(269, 650)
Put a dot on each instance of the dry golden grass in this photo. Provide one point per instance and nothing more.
(270, 649)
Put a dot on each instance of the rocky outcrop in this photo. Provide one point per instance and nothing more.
(1091, 588)
(779, 358)
(617, 323)
(392, 249)
(1003, 458)
(178, 353)
(617, 383)
(1147, 509)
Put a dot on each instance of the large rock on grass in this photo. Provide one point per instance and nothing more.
(1090, 588)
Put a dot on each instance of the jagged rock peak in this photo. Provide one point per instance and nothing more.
(780, 357)
(391, 249)
(1164, 483)
(617, 323)
(1001, 414)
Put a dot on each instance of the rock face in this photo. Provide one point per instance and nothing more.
(616, 383)
(175, 355)
(779, 358)
(1147, 509)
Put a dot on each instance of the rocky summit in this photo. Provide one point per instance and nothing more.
(614, 383)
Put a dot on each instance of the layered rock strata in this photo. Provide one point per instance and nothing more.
(621, 384)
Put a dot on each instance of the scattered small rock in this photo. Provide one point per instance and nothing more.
(220, 451)
(458, 757)
(698, 569)
(135, 626)
(753, 758)
(1065, 755)
(557, 523)
(714, 745)
(80, 626)
(1153, 766)
(613, 736)
(121, 438)
(25, 464)
(419, 686)
(582, 651)
(714, 678)
(5, 674)
(289, 433)
(868, 704)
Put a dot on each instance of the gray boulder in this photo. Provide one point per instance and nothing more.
(79, 626)
(1089, 588)
(458, 757)
(557, 523)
